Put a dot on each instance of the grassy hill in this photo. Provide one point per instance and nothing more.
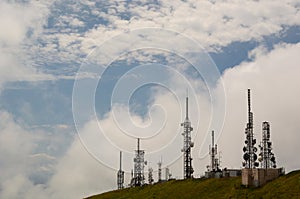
(287, 186)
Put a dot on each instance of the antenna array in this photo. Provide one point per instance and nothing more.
(187, 145)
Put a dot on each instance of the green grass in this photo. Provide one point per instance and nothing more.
(287, 186)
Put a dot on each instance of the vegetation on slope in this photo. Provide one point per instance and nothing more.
(287, 186)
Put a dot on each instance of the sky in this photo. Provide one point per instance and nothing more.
(81, 80)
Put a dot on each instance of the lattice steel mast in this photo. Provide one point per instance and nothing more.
(159, 170)
(267, 157)
(213, 152)
(120, 175)
(150, 175)
(139, 164)
(249, 149)
(187, 145)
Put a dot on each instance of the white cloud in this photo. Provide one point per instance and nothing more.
(212, 24)
(19, 23)
(28, 174)
(17, 165)
(79, 175)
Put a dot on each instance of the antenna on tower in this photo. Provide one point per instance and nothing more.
(187, 104)
(187, 144)
(249, 108)
(150, 175)
(267, 157)
(213, 151)
(159, 169)
(249, 149)
(120, 175)
(212, 137)
(139, 164)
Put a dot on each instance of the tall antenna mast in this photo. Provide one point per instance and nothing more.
(249, 149)
(159, 169)
(120, 175)
(187, 105)
(267, 157)
(250, 115)
(120, 160)
(150, 175)
(213, 138)
(139, 164)
(213, 151)
(187, 144)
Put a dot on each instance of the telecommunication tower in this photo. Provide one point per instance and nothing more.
(267, 158)
(187, 145)
(168, 174)
(139, 164)
(249, 149)
(213, 152)
(159, 170)
(120, 176)
(150, 175)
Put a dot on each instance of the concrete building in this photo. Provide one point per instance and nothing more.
(231, 172)
(258, 177)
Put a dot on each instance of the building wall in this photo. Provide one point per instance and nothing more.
(259, 177)
(223, 174)
(231, 172)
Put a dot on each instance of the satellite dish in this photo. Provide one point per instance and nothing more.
(269, 144)
(255, 149)
(254, 157)
(273, 159)
(192, 144)
(246, 156)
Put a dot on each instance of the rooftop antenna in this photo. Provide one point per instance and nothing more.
(267, 157)
(249, 149)
(120, 175)
(187, 144)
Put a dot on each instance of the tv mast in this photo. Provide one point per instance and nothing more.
(150, 175)
(267, 157)
(120, 175)
(159, 170)
(213, 152)
(139, 164)
(187, 145)
(249, 149)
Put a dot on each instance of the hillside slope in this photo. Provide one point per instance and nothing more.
(287, 186)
